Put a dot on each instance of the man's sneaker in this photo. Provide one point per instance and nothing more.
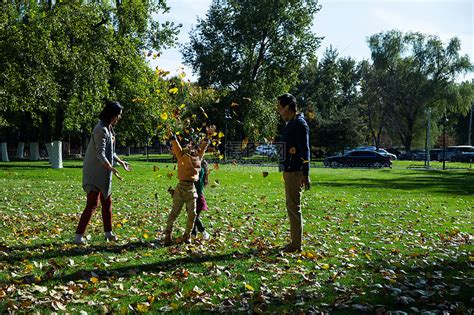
(79, 239)
(205, 235)
(110, 237)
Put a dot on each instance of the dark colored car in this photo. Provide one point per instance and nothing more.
(359, 158)
(435, 154)
(414, 155)
(467, 156)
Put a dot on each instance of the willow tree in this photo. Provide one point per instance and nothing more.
(417, 72)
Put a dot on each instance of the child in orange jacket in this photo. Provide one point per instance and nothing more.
(189, 166)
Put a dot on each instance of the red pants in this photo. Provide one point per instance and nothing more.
(91, 206)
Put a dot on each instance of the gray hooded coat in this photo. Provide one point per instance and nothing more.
(101, 149)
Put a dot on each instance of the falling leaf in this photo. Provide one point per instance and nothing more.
(311, 115)
(164, 116)
(216, 166)
(173, 90)
(94, 280)
(234, 104)
(245, 141)
(324, 266)
(156, 168)
(220, 135)
(204, 112)
(292, 150)
(265, 174)
(182, 106)
(170, 175)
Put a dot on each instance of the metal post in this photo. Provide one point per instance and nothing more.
(470, 126)
(227, 116)
(445, 120)
(428, 141)
(146, 147)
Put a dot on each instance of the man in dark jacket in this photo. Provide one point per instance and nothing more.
(295, 165)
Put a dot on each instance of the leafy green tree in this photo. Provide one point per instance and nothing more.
(328, 93)
(252, 51)
(62, 59)
(374, 104)
(417, 72)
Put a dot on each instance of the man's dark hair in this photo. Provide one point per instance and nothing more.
(111, 109)
(287, 100)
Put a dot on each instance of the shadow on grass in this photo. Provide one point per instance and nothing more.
(25, 166)
(443, 286)
(455, 183)
(53, 250)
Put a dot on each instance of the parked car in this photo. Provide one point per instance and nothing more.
(453, 152)
(467, 156)
(435, 154)
(458, 152)
(394, 151)
(359, 158)
(392, 156)
(266, 150)
(414, 155)
(382, 151)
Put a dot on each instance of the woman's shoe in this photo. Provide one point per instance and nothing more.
(79, 239)
(110, 237)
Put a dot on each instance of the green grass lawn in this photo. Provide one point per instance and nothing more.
(375, 240)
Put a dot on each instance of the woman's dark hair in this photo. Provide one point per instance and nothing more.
(111, 109)
(205, 166)
(287, 100)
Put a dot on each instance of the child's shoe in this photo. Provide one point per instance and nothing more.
(79, 239)
(110, 237)
(205, 235)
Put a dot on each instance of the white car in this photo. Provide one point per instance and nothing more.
(392, 156)
(266, 149)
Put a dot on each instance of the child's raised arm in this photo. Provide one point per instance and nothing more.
(176, 147)
(210, 130)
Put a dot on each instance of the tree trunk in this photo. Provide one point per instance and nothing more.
(48, 150)
(20, 150)
(55, 153)
(56, 157)
(127, 152)
(34, 151)
(4, 152)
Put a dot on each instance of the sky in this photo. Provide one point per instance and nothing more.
(346, 25)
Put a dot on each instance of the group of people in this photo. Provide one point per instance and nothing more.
(100, 160)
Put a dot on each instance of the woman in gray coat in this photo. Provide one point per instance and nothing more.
(98, 169)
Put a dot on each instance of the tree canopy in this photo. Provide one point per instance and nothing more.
(254, 51)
